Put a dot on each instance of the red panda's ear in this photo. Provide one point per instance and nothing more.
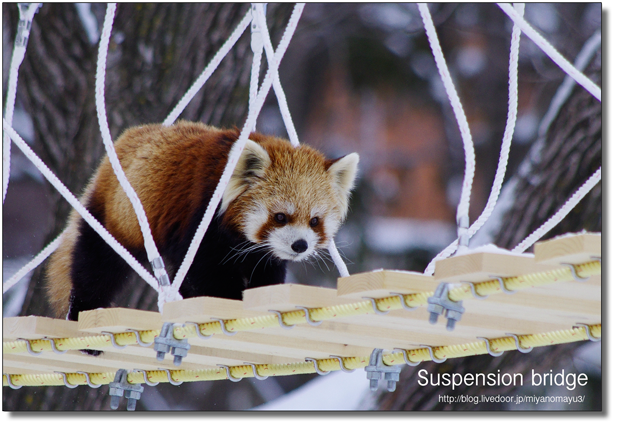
(252, 165)
(343, 172)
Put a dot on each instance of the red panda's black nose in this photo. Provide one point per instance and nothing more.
(300, 246)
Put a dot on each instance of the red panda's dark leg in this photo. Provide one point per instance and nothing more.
(97, 272)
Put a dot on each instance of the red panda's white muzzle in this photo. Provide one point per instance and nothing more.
(293, 243)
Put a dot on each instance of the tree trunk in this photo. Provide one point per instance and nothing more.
(156, 52)
(571, 154)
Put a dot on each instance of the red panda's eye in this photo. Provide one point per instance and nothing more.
(314, 221)
(280, 218)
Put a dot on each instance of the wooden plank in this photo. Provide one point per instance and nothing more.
(479, 266)
(118, 319)
(35, 327)
(360, 331)
(534, 310)
(204, 309)
(269, 341)
(74, 361)
(362, 335)
(18, 371)
(570, 248)
(537, 309)
(276, 345)
(288, 297)
(381, 283)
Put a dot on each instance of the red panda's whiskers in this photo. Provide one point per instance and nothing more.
(321, 255)
(259, 261)
(243, 250)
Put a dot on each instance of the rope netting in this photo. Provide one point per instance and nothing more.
(520, 25)
(261, 42)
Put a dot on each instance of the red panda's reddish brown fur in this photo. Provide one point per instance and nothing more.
(173, 168)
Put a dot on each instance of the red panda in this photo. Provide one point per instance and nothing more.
(283, 203)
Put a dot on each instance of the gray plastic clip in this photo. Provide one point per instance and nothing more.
(167, 342)
(139, 339)
(255, 372)
(64, 379)
(374, 306)
(53, 344)
(439, 304)
(503, 285)
(223, 326)
(307, 314)
(113, 338)
(473, 291)
(518, 344)
(401, 297)
(23, 25)
(170, 380)
(8, 380)
(377, 369)
(342, 367)
(406, 357)
(146, 380)
(199, 333)
(120, 386)
(87, 375)
(432, 353)
(574, 273)
(228, 375)
(588, 333)
(491, 352)
(316, 366)
(282, 324)
(158, 264)
(29, 348)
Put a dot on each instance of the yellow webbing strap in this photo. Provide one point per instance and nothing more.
(562, 274)
(295, 317)
(326, 365)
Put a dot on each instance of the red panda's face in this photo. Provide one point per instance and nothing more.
(288, 200)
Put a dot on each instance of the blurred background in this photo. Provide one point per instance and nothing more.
(358, 77)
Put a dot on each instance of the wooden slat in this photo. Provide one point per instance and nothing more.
(118, 319)
(479, 266)
(287, 297)
(395, 329)
(533, 310)
(299, 344)
(34, 327)
(74, 361)
(383, 283)
(204, 309)
(572, 249)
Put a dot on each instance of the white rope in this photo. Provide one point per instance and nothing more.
(34, 263)
(26, 15)
(565, 89)
(340, 265)
(288, 122)
(555, 56)
(462, 211)
(257, 50)
(505, 147)
(75, 203)
(561, 213)
(204, 76)
(277, 85)
(149, 243)
(237, 148)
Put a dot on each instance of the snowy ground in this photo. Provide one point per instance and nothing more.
(337, 391)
